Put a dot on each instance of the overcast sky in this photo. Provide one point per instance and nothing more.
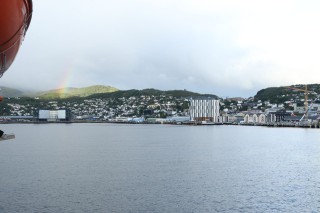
(228, 48)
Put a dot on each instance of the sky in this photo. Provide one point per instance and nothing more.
(229, 48)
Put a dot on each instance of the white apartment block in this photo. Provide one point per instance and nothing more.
(204, 109)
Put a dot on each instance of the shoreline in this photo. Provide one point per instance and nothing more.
(275, 125)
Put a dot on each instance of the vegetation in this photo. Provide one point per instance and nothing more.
(278, 95)
(150, 92)
(75, 92)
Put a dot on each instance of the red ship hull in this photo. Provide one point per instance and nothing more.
(15, 17)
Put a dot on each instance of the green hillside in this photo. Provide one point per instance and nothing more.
(150, 92)
(75, 92)
(284, 93)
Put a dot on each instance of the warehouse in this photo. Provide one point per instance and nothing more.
(54, 115)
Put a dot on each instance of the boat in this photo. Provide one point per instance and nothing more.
(15, 18)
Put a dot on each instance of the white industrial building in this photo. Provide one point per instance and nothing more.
(53, 115)
(204, 110)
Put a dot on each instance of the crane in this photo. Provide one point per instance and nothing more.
(305, 90)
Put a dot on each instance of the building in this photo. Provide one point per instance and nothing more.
(255, 118)
(236, 118)
(54, 115)
(277, 116)
(204, 110)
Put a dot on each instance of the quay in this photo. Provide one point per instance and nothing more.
(314, 125)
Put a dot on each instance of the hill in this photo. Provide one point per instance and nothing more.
(150, 92)
(98, 91)
(75, 92)
(9, 92)
(281, 94)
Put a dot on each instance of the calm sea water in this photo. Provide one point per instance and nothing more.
(159, 168)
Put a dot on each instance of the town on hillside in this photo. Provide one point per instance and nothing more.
(290, 108)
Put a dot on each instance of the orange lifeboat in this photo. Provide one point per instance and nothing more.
(15, 18)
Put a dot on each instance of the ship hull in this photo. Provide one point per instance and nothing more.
(15, 17)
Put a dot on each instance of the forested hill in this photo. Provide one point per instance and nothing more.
(150, 92)
(288, 93)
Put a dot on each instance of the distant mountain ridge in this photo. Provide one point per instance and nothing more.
(10, 92)
(98, 91)
(273, 94)
(58, 93)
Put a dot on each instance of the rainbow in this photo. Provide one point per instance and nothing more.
(67, 78)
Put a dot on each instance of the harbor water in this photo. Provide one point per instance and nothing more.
(159, 168)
